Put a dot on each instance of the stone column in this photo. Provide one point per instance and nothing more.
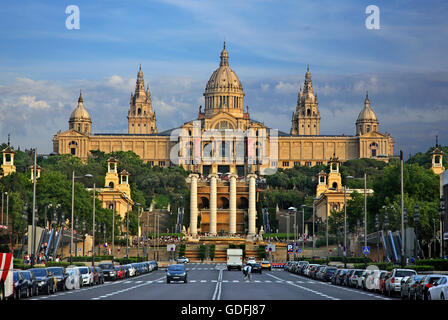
(252, 199)
(213, 204)
(194, 204)
(232, 204)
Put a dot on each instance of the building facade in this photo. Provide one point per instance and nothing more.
(223, 137)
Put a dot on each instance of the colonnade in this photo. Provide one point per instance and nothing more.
(252, 213)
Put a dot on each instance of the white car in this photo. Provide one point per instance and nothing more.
(440, 289)
(87, 276)
(183, 260)
(393, 283)
(131, 270)
(74, 279)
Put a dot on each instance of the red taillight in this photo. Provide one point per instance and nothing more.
(393, 280)
(429, 285)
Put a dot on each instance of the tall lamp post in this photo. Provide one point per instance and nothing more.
(24, 221)
(62, 233)
(138, 230)
(442, 217)
(377, 227)
(73, 209)
(405, 222)
(83, 237)
(416, 222)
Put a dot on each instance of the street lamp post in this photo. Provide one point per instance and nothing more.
(416, 222)
(62, 233)
(83, 237)
(24, 220)
(138, 230)
(377, 227)
(345, 227)
(303, 229)
(405, 222)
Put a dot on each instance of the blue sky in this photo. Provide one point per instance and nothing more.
(403, 65)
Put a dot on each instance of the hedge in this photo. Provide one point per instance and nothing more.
(438, 264)
(130, 260)
(420, 268)
(380, 265)
(211, 252)
(89, 258)
(351, 259)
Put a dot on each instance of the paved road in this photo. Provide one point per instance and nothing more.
(214, 282)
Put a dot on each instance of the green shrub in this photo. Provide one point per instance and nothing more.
(420, 268)
(438, 264)
(211, 252)
(182, 248)
(261, 251)
(202, 249)
(351, 259)
(56, 264)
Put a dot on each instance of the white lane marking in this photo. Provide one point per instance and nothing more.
(124, 290)
(307, 289)
(217, 293)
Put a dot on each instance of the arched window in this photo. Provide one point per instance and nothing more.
(308, 112)
(111, 184)
(139, 111)
(335, 185)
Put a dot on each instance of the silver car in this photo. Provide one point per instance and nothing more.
(393, 283)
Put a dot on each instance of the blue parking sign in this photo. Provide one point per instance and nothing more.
(366, 250)
(290, 248)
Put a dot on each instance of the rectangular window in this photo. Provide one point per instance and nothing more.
(308, 163)
(319, 163)
(297, 163)
(285, 163)
(161, 163)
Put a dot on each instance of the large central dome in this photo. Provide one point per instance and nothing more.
(224, 92)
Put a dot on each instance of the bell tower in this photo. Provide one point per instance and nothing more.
(437, 160)
(306, 119)
(141, 118)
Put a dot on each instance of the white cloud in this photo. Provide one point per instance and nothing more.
(31, 102)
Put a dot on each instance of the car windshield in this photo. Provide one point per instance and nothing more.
(265, 262)
(176, 267)
(83, 270)
(56, 271)
(39, 272)
(71, 271)
(433, 279)
(404, 273)
(330, 270)
(107, 266)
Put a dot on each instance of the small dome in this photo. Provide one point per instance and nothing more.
(367, 113)
(80, 113)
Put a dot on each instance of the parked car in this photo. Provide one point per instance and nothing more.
(265, 264)
(354, 278)
(347, 277)
(32, 282)
(95, 275)
(408, 285)
(87, 276)
(382, 282)
(362, 279)
(440, 289)
(327, 273)
(309, 271)
(393, 283)
(74, 278)
(120, 272)
(108, 271)
(176, 272)
(421, 290)
(340, 278)
(45, 280)
(154, 263)
(319, 273)
(21, 288)
(61, 276)
(182, 260)
(335, 276)
(100, 274)
(302, 265)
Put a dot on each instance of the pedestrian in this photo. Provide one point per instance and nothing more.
(247, 272)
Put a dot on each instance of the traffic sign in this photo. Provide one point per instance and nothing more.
(299, 250)
(171, 247)
(290, 247)
(366, 250)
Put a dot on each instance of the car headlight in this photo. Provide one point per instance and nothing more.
(112, 273)
(42, 283)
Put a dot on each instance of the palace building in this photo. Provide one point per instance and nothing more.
(198, 144)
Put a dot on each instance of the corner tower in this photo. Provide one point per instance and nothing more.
(141, 118)
(306, 119)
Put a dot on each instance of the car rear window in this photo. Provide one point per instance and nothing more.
(83, 270)
(40, 272)
(404, 273)
(433, 280)
(106, 266)
(56, 271)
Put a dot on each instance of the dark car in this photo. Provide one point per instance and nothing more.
(154, 263)
(328, 273)
(96, 276)
(256, 268)
(176, 272)
(32, 282)
(108, 271)
(45, 280)
(20, 285)
(408, 287)
(424, 284)
(100, 274)
(341, 276)
(61, 276)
